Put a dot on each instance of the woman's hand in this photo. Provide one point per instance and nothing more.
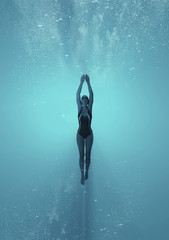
(83, 78)
(87, 79)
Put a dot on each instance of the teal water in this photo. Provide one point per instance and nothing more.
(45, 47)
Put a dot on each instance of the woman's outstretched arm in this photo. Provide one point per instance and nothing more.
(90, 92)
(79, 91)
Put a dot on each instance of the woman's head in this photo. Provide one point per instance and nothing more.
(85, 100)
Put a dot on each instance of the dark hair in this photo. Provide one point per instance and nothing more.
(85, 97)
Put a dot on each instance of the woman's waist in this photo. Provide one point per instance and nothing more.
(85, 129)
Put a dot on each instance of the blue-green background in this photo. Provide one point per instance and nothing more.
(45, 47)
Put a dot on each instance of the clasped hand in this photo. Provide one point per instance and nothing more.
(85, 77)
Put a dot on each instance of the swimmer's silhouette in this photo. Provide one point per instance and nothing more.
(84, 131)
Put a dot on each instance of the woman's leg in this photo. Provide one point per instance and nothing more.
(80, 143)
(89, 142)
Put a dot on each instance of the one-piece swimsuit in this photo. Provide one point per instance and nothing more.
(84, 123)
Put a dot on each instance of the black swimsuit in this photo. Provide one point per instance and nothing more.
(84, 124)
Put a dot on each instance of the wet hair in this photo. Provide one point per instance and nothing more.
(85, 97)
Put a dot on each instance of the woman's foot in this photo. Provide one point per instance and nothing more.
(86, 175)
(82, 178)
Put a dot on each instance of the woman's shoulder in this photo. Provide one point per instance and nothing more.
(90, 107)
(80, 110)
(90, 111)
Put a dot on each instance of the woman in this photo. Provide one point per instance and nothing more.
(84, 132)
